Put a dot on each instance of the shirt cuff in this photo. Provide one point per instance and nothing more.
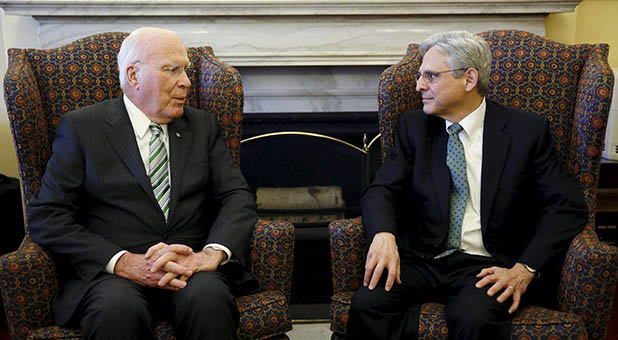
(109, 268)
(226, 250)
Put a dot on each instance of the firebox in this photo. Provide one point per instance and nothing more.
(310, 169)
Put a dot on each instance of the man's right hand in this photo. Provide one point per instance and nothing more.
(136, 267)
(383, 253)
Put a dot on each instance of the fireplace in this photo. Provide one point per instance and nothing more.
(320, 164)
(310, 128)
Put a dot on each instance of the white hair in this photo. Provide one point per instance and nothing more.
(128, 54)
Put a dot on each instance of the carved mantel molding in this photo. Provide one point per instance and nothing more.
(287, 32)
(281, 7)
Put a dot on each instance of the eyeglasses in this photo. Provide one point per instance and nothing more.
(174, 71)
(429, 76)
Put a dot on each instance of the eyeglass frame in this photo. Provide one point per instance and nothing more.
(172, 69)
(429, 77)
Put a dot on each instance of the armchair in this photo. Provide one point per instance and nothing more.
(40, 86)
(571, 85)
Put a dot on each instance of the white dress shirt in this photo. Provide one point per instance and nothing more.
(472, 139)
(141, 127)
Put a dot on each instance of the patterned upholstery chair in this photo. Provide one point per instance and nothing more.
(40, 86)
(569, 84)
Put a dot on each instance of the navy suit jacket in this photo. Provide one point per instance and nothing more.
(531, 207)
(96, 198)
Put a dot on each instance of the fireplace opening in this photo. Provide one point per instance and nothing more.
(310, 169)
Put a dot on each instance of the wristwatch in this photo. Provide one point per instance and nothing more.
(532, 270)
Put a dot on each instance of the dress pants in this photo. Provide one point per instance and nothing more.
(470, 313)
(116, 308)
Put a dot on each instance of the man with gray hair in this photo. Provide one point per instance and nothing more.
(144, 208)
(470, 206)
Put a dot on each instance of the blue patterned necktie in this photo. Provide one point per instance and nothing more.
(456, 162)
(159, 175)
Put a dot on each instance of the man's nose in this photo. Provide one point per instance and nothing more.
(420, 85)
(184, 80)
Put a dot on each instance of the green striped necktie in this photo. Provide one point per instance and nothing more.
(158, 172)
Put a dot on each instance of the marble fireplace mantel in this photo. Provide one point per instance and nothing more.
(280, 7)
(288, 32)
(294, 55)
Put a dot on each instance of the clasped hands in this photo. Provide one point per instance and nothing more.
(167, 266)
(383, 254)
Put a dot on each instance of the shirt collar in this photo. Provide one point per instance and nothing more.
(139, 120)
(472, 124)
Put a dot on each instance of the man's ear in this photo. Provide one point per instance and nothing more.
(132, 76)
(472, 78)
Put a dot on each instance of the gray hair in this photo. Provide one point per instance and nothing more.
(464, 50)
(128, 54)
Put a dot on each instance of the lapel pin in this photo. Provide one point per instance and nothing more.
(178, 134)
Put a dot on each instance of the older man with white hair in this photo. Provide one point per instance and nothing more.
(143, 206)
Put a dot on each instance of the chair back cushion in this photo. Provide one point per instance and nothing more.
(571, 85)
(42, 85)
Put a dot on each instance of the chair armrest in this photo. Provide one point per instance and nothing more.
(347, 253)
(28, 279)
(588, 281)
(271, 250)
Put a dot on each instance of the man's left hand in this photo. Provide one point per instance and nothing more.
(512, 282)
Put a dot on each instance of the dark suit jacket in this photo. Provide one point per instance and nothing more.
(531, 207)
(96, 198)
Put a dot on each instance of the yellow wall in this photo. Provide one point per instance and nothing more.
(8, 159)
(594, 21)
(15, 31)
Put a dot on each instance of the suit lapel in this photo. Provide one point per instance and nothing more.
(120, 135)
(496, 144)
(436, 154)
(180, 141)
